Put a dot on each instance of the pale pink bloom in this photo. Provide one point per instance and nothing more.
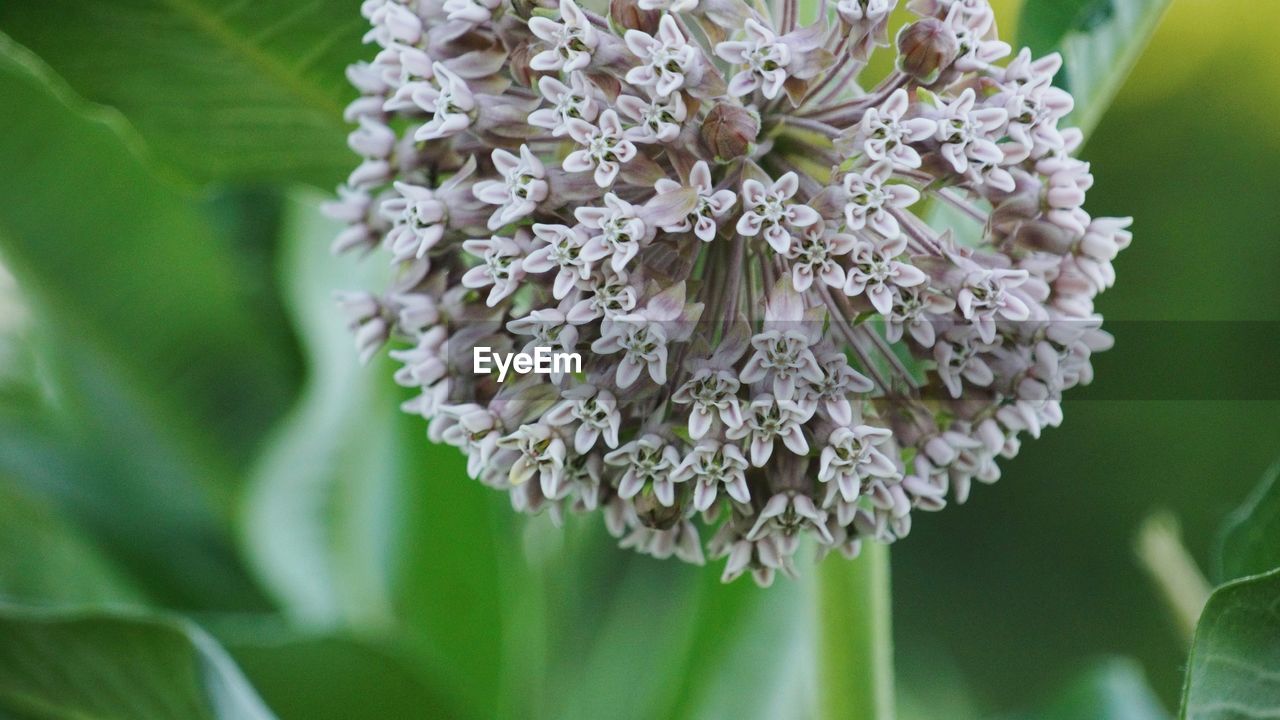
(665, 58)
(605, 147)
(769, 209)
(763, 57)
(877, 272)
(571, 41)
(872, 199)
(710, 203)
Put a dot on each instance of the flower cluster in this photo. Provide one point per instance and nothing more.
(809, 302)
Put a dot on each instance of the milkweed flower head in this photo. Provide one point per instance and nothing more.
(809, 303)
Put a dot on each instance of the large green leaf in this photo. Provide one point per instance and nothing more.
(354, 518)
(98, 666)
(220, 90)
(162, 374)
(1100, 41)
(1114, 689)
(1251, 539)
(45, 559)
(1234, 669)
(328, 677)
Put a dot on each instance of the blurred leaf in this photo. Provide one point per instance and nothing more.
(750, 662)
(315, 515)
(1100, 41)
(1250, 542)
(1234, 669)
(1114, 689)
(162, 374)
(219, 90)
(97, 665)
(354, 518)
(304, 677)
(44, 559)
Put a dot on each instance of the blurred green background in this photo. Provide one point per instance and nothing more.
(182, 425)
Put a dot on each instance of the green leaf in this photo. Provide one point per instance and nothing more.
(46, 560)
(247, 90)
(855, 638)
(354, 519)
(314, 520)
(100, 666)
(162, 373)
(1234, 669)
(1100, 42)
(1250, 542)
(328, 677)
(1114, 689)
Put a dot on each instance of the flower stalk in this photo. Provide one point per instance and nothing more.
(855, 637)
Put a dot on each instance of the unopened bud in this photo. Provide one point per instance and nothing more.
(629, 15)
(729, 131)
(926, 48)
(519, 65)
(653, 514)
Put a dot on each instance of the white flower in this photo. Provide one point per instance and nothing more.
(449, 101)
(657, 121)
(642, 343)
(769, 209)
(500, 269)
(541, 452)
(832, 392)
(561, 251)
(876, 272)
(605, 147)
(766, 60)
(885, 133)
(986, 294)
(474, 12)
(785, 517)
(959, 356)
(712, 394)
(419, 220)
(977, 52)
(710, 465)
(782, 350)
(606, 293)
(814, 254)
(768, 419)
(865, 11)
(871, 199)
(522, 187)
(711, 203)
(615, 232)
(966, 132)
(915, 310)
(596, 412)
(546, 328)
(648, 460)
(575, 101)
(851, 455)
(665, 58)
(572, 40)
(475, 431)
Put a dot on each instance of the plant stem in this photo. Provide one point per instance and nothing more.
(855, 637)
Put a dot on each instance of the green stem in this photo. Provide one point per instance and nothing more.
(855, 637)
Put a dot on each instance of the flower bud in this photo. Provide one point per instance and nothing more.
(926, 48)
(653, 514)
(629, 15)
(729, 131)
